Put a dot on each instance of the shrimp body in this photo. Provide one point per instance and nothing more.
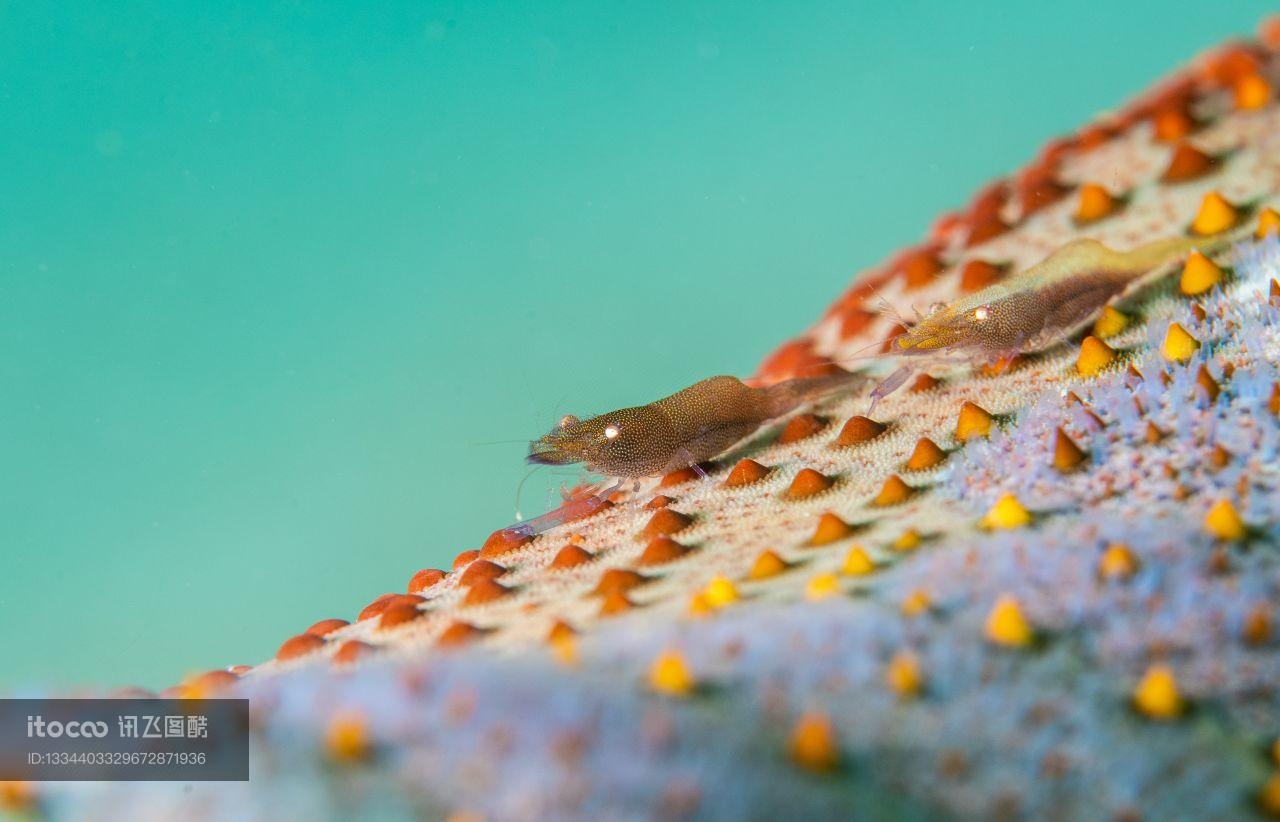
(688, 427)
(1035, 308)
(1041, 305)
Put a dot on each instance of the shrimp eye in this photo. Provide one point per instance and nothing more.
(611, 432)
(981, 313)
(935, 308)
(566, 421)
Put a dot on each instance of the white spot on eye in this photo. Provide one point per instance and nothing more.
(980, 314)
(610, 432)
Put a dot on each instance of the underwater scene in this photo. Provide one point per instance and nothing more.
(522, 411)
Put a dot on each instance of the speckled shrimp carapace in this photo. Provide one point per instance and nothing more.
(690, 426)
(1035, 308)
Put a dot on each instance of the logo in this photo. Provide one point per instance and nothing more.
(37, 727)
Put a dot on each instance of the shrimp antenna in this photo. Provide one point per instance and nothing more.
(886, 307)
(859, 354)
(519, 488)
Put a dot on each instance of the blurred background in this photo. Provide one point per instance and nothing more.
(272, 273)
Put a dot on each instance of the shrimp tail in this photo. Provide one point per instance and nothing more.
(784, 397)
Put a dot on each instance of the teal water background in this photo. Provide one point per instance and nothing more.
(269, 273)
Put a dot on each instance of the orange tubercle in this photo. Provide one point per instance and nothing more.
(745, 472)
(1095, 203)
(665, 521)
(481, 569)
(1252, 92)
(926, 455)
(299, 646)
(352, 650)
(399, 613)
(326, 626)
(615, 602)
(767, 564)
(808, 483)
(463, 558)
(459, 633)
(813, 744)
(920, 268)
(830, 528)
(1172, 123)
(374, 608)
(678, 478)
(619, 580)
(893, 492)
(801, 427)
(1067, 456)
(974, 421)
(484, 590)
(661, 550)
(571, 556)
(503, 542)
(858, 430)
(978, 274)
(1187, 163)
(424, 579)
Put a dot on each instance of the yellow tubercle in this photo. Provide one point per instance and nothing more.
(768, 564)
(857, 563)
(347, 738)
(903, 674)
(1109, 323)
(669, 674)
(698, 605)
(974, 421)
(1157, 696)
(1199, 274)
(1006, 625)
(1095, 355)
(916, 603)
(822, 586)
(720, 592)
(1117, 562)
(1223, 521)
(1006, 514)
(1215, 215)
(908, 540)
(1179, 345)
(813, 744)
(1268, 223)
(1269, 796)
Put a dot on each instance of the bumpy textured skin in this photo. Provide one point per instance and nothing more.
(1040, 723)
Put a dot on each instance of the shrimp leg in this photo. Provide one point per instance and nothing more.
(888, 385)
(573, 509)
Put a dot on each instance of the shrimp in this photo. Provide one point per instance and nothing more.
(680, 431)
(1035, 308)
(684, 429)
